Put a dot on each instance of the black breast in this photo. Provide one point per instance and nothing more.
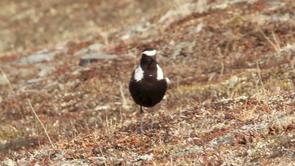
(147, 92)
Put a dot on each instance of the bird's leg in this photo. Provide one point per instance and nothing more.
(141, 110)
(141, 119)
(155, 108)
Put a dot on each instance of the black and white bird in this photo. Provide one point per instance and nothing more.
(148, 85)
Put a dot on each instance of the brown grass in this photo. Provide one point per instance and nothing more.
(231, 100)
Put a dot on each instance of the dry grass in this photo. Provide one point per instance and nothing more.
(231, 100)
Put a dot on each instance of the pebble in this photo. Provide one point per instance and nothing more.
(93, 53)
(42, 56)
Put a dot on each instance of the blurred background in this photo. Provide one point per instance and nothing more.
(36, 24)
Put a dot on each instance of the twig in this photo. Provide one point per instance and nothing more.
(124, 101)
(5, 77)
(260, 77)
(41, 123)
(262, 85)
(275, 44)
(276, 40)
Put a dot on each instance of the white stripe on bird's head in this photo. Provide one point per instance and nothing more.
(149, 52)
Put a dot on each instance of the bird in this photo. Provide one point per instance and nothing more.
(147, 85)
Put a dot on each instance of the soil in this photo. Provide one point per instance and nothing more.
(65, 68)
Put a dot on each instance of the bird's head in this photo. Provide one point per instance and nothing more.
(148, 57)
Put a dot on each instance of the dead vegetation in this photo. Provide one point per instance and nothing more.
(231, 100)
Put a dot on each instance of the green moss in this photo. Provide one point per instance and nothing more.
(7, 132)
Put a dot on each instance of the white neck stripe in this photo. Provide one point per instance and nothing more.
(138, 73)
(160, 74)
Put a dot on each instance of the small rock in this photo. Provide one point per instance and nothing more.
(94, 57)
(42, 56)
(96, 46)
(136, 29)
(34, 80)
(101, 107)
(146, 157)
(93, 53)
(197, 29)
(45, 69)
(98, 158)
(92, 48)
